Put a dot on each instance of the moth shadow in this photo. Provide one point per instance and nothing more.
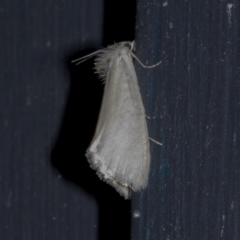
(68, 154)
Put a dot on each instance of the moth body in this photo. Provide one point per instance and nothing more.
(119, 151)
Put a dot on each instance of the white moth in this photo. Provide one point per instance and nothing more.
(119, 151)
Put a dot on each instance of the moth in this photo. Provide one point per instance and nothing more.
(119, 151)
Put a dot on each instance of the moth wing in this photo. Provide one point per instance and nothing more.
(119, 150)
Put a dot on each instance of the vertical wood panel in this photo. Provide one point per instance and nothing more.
(38, 199)
(193, 102)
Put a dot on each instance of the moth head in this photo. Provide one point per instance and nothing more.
(130, 45)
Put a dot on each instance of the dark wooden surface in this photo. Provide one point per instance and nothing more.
(49, 110)
(193, 100)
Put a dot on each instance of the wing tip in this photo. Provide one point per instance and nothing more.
(108, 176)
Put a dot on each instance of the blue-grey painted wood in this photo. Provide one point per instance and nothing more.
(37, 41)
(192, 100)
(49, 110)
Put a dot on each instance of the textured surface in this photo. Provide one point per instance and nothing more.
(48, 113)
(193, 102)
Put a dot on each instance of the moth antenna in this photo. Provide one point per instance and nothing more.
(85, 58)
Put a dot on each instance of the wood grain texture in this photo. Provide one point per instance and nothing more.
(192, 100)
(49, 110)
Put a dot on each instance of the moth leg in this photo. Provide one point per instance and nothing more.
(155, 141)
(143, 65)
